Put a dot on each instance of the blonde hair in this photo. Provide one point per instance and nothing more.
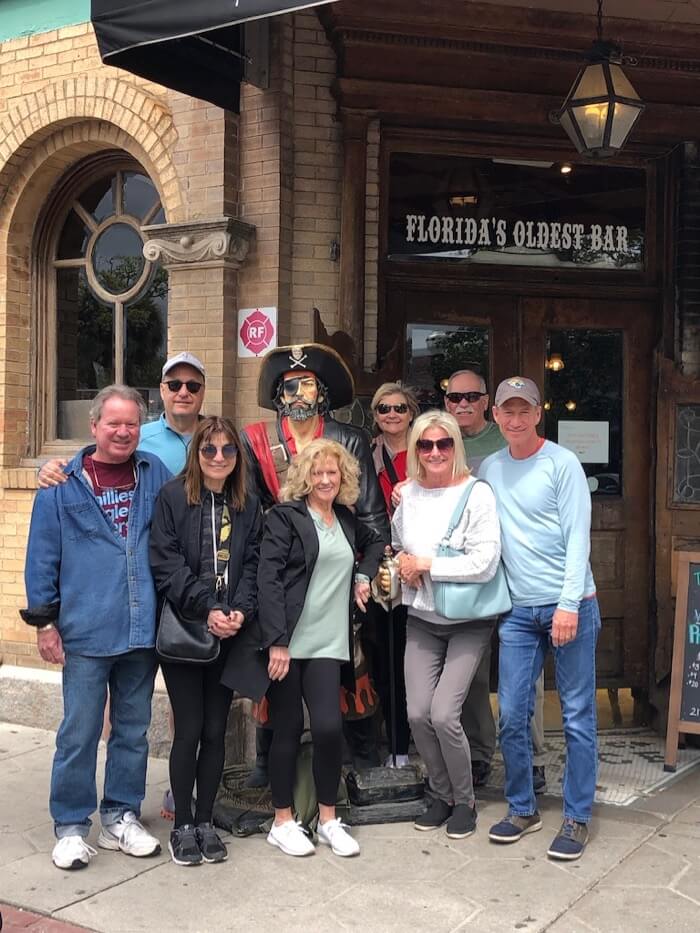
(395, 388)
(446, 422)
(298, 485)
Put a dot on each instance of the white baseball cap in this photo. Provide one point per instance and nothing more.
(183, 359)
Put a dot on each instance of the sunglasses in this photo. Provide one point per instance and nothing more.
(442, 444)
(400, 409)
(209, 451)
(192, 387)
(471, 397)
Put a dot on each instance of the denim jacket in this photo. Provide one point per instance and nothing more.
(82, 575)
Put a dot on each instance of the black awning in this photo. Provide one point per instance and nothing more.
(193, 46)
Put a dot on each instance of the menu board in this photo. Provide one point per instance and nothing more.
(684, 701)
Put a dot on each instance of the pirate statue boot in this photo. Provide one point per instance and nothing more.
(259, 776)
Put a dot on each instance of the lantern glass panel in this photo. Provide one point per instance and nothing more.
(567, 125)
(623, 121)
(591, 119)
(621, 83)
(591, 83)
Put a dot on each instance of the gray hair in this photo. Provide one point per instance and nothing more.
(118, 391)
(468, 372)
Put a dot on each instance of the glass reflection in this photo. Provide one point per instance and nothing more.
(435, 351)
(117, 258)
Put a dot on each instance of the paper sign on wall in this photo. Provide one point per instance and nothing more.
(589, 440)
(257, 331)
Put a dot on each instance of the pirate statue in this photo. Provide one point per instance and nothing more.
(302, 384)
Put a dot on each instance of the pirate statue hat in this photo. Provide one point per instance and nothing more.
(318, 359)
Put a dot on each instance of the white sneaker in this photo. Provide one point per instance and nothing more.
(72, 852)
(334, 834)
(402, 761)
(290, 838)
(129, 836)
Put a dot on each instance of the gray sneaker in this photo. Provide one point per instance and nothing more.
(513, 828)
(569, 842)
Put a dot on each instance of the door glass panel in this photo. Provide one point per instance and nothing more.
(435, 351)
(583, 402)
(146, 339)
(686, 480)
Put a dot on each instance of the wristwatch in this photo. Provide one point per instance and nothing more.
(45, 628)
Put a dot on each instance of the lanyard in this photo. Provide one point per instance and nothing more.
(220, 553)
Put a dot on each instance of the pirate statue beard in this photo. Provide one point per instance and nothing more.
(299, 397)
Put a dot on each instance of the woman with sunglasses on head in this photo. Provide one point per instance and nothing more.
(394, 408)
(204, 557)
(443, 655)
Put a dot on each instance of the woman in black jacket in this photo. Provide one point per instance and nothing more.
(204, 553)
(306, 585)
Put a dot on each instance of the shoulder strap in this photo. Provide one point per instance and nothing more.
(260, 437)
(459, 509)
(389, 466)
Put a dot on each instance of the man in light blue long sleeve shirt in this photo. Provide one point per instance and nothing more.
(544, 508)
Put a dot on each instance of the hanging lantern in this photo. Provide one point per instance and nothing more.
(555, 363)
(602, 107)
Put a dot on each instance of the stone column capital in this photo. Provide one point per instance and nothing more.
(213, 241)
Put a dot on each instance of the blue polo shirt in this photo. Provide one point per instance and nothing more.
(157, 437)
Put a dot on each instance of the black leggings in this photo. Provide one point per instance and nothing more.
(200, 710)
(317, 682)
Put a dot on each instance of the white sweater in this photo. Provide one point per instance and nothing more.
(419, 524)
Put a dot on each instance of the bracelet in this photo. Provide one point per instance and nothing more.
(45, 628)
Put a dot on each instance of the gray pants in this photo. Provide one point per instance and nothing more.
(440, 662)
(479, 724)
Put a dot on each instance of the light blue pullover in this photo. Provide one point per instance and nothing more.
(544, 507)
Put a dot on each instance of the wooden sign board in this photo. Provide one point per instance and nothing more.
(684, 703)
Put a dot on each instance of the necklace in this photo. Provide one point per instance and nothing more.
(99, 485)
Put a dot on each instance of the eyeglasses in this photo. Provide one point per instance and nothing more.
(400, 409)
(442, 444)
(471, 397)
(176, 384)
(209, 451)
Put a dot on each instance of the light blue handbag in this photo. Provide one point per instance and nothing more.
(469, 601)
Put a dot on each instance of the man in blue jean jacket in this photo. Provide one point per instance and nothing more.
(92, 600)
(544, 507)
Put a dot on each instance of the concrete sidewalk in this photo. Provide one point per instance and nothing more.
(638, 873)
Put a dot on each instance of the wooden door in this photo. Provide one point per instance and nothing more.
(622, 504)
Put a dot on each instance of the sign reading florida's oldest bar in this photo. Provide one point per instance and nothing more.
(510, 212)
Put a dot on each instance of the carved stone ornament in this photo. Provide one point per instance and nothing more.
(223, 239)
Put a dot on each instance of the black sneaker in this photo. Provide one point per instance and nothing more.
(480, 772)
(437, 813)
(183, 845)
(462, 822)
(210, 844)
(539, 780)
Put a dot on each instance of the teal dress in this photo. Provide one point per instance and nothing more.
(322, 629)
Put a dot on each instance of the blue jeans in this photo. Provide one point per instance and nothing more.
(130, 679)
(525, 639)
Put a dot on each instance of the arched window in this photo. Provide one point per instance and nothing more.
(110, 303)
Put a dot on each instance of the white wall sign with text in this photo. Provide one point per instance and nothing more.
(589, 440)
(257, 331)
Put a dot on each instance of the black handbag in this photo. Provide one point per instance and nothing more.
(185, 640)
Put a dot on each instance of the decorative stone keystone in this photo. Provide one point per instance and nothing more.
(223, 239)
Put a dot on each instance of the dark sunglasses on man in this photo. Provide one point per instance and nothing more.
(192, 386)
(425, 446)
(471, 397)
(209, 451)
(400, 409)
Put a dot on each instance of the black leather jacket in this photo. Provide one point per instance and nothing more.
(370, 508)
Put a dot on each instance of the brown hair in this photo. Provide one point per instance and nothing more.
(235, 484)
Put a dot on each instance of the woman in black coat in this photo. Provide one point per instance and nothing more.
(204, 552)
(306, 585)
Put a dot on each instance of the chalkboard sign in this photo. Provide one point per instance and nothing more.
(684, 701)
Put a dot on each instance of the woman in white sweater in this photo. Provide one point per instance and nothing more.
(442, 655)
